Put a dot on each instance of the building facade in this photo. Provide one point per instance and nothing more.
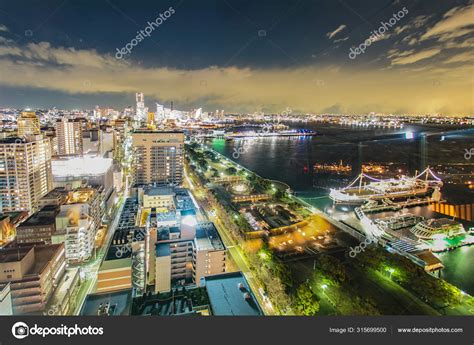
(33, 273)
(28, 124)
(77, 223)
(25, 173)
(69, 136)
(187, 254)
(6, 307)
(158, 157)
(39, 227)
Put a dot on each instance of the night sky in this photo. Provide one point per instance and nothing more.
(240, 55)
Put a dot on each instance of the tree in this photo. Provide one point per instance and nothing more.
(210, 155)
(279, 194)
(231, 171)
(332, 267)
(202, 164)
(306, 302)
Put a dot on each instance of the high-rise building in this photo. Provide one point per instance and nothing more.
(28, 124)
(141, 111)
(160, 113)
(158, 157)
(69, 134)
(25, 172)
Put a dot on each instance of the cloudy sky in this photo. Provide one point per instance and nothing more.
(240, 55)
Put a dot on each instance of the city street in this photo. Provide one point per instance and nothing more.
(233, 249)
(91, 268)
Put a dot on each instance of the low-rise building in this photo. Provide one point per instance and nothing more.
(33, 272)
(77, 223)
(39, 227)
(437, 228)
(230, 295)
(5, 300)
(55, 197)
(226, 294)
(159, 197)
(114, 275)
(7, 229)
(115, 272)
(73, 172)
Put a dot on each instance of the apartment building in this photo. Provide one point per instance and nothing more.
(158, 157)
(25, 172)
(69, 136)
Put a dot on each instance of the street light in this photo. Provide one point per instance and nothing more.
(390, 270)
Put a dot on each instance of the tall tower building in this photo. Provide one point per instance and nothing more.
(141, 111)
(69, 134)
(151, 120)
(28, 124)
(160, 113)
(158, 157)
(25, 173)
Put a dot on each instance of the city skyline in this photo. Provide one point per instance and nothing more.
(246, 58)
(307, 158)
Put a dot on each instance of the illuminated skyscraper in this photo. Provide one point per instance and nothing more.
(69, 134)
(25, 172)
(28, 124)
(160, 113)
(158, 157)
(151, 119)
(141, 111)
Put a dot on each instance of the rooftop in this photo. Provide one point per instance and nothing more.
(150, 131)
(429, 258)
(163, 249)
(119, 303)
(42, 255)
(81, 195)
(440, 223)
(55, 193)
(230, 294)
(81, 166)
(183, 301)
(45, 216)
(161, 190)
(207, 237)
(18, 140)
